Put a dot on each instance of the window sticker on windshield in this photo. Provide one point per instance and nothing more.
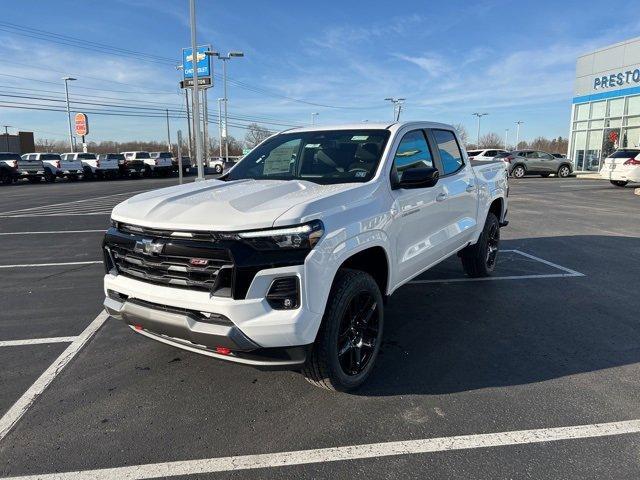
(312, 145)
(279, 160)
(359, 138)
(361, 174)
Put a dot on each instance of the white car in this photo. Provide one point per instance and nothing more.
(56, 167)
(217, 164)
(91, 166)
(287, 262)
(484, 155)
(161, 165)
(622, 167)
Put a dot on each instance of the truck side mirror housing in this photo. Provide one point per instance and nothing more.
(422, 177)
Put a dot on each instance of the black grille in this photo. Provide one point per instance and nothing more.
(178, 263)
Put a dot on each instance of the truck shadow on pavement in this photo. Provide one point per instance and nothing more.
(451, 337)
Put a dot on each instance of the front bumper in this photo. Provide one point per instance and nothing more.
(215, 337)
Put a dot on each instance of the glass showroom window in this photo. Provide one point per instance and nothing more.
(594, 148)
(631, 137)
(579, 144)
(633, 105)
(598, 109)
(616, 107)
(582, 111)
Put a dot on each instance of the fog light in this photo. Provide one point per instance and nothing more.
(284, 293)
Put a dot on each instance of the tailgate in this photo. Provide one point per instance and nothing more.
(33, 166)
(71, 165)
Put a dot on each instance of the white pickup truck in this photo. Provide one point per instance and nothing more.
(55, 166)
(91, 166)
(287, 259)
(160, 165)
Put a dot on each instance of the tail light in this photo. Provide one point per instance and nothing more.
(97, 163)
(509, 158)
(14, 163)
(58, 164)
(632, 161)
(155, 161)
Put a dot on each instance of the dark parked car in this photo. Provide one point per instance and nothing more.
(535, 162)
(126, 168)
(14, 167)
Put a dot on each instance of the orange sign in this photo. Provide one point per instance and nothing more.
(82, 124)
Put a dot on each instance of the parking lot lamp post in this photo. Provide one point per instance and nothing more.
(479, 115)
(195, 97)
(313, 117)
(220, 100)
(66, 91)
(224, 59)
(506, 136)
(397, 106)
(518, 123)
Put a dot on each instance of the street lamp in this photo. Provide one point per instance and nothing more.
(6, 134)
(66, 91)
(397, 104)
(479, 115)
(224, 59)
(313, 117)
(506, 136)
(518, 123)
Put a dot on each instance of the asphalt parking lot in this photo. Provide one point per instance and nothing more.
(552, 342)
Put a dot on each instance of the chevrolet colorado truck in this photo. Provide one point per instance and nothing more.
(286, 261)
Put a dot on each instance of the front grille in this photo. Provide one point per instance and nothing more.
(182, 264)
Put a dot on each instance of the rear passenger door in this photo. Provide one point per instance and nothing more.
(459, 186)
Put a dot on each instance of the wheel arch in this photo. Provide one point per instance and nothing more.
(372, 260)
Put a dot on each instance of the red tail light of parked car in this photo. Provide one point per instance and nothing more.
(632, 161)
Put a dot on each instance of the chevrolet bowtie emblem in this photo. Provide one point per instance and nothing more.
(147, 246)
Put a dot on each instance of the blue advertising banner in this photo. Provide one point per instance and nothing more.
(203, 61)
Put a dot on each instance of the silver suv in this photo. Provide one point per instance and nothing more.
(535, 162)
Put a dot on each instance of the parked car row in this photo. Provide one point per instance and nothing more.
(75, 165)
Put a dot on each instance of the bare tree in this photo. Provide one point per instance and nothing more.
(462, 132)
(490, 140)
(255, 134)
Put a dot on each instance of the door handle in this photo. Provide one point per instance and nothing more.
(470, 187)
(441, 197)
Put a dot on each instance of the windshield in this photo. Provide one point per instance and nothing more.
(165, 155)
(142, 155)
(333, 156)
(10, 156)
(473, 153)
(49, 156)
(87, 156)
(115, 156)
(501, 155)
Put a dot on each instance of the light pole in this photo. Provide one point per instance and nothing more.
(397, 106)
(220, 100)
(518, 123)
(186, 100)
(66, 91)
(6, 135)
(195, 97)
(224, 59)
(479, 115)
(506, 136)
(168, 130)
(313, 117)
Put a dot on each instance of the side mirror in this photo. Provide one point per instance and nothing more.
(422, 177)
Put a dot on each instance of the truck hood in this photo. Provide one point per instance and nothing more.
(215, 205)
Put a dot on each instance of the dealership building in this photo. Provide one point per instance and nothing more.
(606, 106)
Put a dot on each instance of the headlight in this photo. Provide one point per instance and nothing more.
(299, 236)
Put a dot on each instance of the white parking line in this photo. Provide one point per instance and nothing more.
(345, 453)
(52, 232)
(62, 264)
(35, 341)
(19, 408)
(568, 273)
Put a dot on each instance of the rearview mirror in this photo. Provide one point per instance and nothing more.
(422, 177)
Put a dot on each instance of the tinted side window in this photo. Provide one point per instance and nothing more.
(413, 152)
(491, 153)
(449, 149)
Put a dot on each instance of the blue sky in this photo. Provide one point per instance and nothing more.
(514, 60)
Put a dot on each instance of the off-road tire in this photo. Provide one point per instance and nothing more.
(475, 258)
(323, 367)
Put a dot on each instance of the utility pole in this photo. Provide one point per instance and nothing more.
(224, 59)
(220, 100)
(168, 131)
(479, 115)
(66, 91)
(189, 139)
(195, 96)
(506, 136)
(313, 117)
(518, 123)
(6, 135)
(397, 106)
